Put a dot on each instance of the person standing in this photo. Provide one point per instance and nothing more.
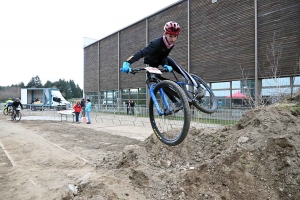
(128, 106)
(88, 108)
(132, 107)
(220, 104)
(77, 109)
(82, 103)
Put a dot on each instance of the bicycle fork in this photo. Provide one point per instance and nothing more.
(155, 102)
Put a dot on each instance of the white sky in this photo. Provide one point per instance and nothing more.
(45, 37)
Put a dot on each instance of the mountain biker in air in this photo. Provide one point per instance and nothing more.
(157, 51)
(16, 104)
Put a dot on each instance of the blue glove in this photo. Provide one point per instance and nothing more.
(168, 68)
(126, 67)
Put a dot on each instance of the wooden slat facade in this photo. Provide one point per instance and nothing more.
(222, 40)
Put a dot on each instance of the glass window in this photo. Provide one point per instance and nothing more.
(275, 91)
(295, 89)
(125, 95)
(297, 80)
(142, 90)
(275, 82)
(102, 95)
(93, 96)
(142, 102)
(236, 84)
(142, 96)
(133, 96)
(222, 85)
(221, 93)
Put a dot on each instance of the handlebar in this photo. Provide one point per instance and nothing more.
(135, 70)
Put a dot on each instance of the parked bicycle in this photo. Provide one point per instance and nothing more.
(16, 114)
(169, 106)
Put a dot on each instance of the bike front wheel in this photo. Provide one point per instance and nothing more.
(173, 125)
(5, 112)
(206, 104)
(18, 116)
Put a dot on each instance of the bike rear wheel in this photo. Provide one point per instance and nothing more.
(206, 104)
(170, 128)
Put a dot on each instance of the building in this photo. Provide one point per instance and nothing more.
(235, 45)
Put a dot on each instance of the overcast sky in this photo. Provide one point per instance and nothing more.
(45, 37)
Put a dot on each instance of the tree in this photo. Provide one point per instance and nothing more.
(48, 84)
(68, 88)
(34, 82)
(21, 85)
(271, 75)
(62, 85)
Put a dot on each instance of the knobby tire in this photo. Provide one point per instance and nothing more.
(176, 124)
(212, 105)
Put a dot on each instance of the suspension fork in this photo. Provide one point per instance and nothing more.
(155, 102)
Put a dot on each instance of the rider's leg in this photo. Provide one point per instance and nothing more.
(177, 68)
(13, 111)
(200, 92)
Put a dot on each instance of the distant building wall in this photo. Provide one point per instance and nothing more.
(221, 42)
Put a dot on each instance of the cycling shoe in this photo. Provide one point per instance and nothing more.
(200, 92)
(175, 107)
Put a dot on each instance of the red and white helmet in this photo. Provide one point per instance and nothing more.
(172, 28)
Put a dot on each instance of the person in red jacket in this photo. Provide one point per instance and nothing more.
(77, 110)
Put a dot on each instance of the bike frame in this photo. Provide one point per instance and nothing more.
(153, 77)
(163, 95)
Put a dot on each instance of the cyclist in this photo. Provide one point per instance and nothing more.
(157, 51)
(16, 104)
(8, 104)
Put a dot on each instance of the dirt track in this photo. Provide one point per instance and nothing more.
(257, 159)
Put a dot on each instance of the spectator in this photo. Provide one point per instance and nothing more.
(128, 106)
(82, 103)
(220, 104)
(77, 109)
(88, 108)
(132, 107)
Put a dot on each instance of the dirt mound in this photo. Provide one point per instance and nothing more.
(258, 158)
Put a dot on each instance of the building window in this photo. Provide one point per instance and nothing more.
(137, 95)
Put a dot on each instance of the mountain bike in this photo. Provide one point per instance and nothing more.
(16, 115)
(172, 126)
(7, 110)
(169, 110)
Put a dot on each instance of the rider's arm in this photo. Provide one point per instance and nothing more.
(21, 105)
(144, 52)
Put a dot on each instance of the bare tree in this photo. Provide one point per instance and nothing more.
(271, 76)
(247, 89)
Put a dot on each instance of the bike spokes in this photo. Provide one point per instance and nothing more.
(207, 103)
(172, 125)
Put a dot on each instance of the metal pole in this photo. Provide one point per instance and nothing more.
(256, 70)
(188, 22)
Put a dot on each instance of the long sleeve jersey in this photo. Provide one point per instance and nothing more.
(16, 104)
(154, 54)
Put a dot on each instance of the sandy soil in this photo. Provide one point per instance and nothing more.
(258, 158)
